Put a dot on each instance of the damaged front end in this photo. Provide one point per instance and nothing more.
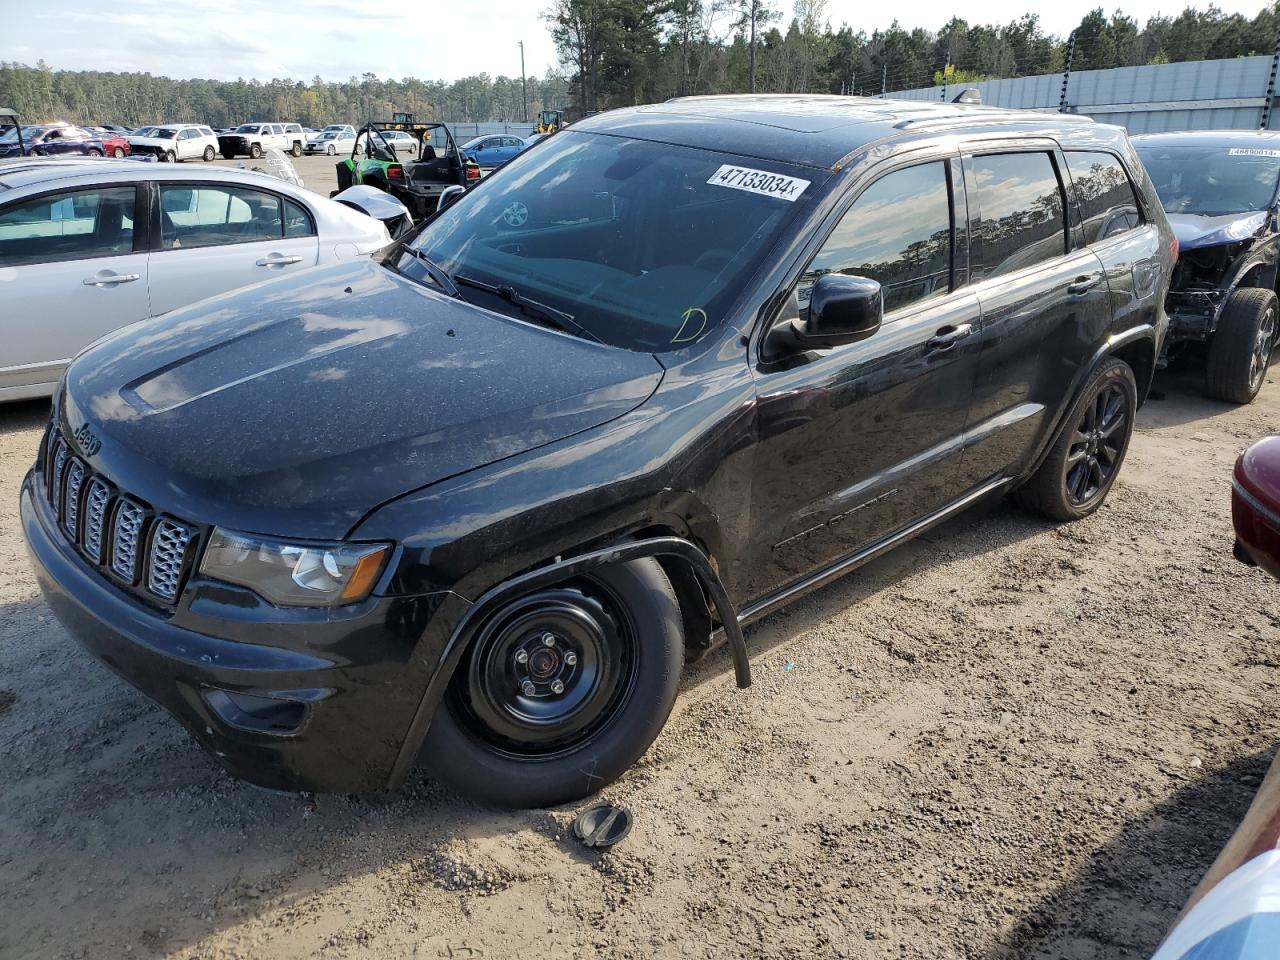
(1216, 255)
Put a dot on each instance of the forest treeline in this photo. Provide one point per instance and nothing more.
(620, 52)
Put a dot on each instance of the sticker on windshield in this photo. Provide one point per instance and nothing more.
(759, 181)
(1252, 152)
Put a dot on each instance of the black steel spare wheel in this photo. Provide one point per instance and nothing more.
(550, 670)
(561, 689)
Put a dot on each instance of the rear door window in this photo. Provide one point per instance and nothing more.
(898, 232)
(75, 225)
(1108, 205)
(206, 216)
(1020, 212)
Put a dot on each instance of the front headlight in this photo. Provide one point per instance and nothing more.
(295, 574)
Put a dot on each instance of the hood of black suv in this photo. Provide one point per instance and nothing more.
(1195, 231)
(296, 407)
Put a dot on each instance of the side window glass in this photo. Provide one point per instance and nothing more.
(208, 216)
(297, 222)
(1104, 194)
(897, 232)
(76, 225)
(1020, 202)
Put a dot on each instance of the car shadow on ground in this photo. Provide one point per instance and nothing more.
(1131, 890)
(1177, 395)
(23, 415)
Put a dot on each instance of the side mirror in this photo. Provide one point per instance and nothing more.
(842, 309)
(448, 195)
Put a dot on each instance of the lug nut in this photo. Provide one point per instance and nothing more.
(570, 657)
(548, 639)
(528, 688)
(522, 656)
(557, 687)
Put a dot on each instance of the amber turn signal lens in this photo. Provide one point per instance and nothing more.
(365, 574)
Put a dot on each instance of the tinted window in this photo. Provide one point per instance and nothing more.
(1020, 202)
(297, 222)
(205, 216)
(68, 226)
(897, 232)
(1104, 195)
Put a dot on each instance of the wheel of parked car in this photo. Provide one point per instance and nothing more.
(170, 157)
(208, 154)
(297, 149)
(562, 689)
(94, 152)
(1089, 448)
(1240, 348)
(118, 153)
(330, 151)
(255, 150)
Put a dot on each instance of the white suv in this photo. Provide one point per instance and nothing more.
(175, 141)
(254, 139)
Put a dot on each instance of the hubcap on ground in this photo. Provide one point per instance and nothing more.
(1262, 349)
(549, 670)
(1097, 443)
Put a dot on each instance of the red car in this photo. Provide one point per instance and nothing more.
(112, 143)
(1255, 505)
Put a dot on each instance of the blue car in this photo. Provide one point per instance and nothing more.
(51, 140)
(493, 151)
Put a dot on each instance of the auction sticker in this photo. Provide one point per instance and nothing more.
(759, 181)
(1252, 152)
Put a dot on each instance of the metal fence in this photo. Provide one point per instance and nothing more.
(1197, 95)
(468, 131)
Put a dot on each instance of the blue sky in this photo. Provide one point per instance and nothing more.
(338, 38)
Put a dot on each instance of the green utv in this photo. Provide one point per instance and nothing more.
(417, 183)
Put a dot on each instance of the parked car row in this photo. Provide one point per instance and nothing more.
(479, 498)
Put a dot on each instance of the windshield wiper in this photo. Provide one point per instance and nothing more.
(557, 318)
(436, 272)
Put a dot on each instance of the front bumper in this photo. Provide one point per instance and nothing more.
(291, 699)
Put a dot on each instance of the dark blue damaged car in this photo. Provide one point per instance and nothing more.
(1221, 192)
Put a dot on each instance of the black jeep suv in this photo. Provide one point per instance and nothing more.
(481, 498)
(1221, 191)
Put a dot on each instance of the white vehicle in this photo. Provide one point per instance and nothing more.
(254, 139)
(175, 141)
(334, 139)
(400, 141)
(92, 245)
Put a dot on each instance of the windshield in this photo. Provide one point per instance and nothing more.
(164, 133)
(1212, 181)
(247, 128)
(144, 131)
(646, 245)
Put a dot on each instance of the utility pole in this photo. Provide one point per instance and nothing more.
(1066, 74)
(524, 85)
(754, 9)
(884, 79)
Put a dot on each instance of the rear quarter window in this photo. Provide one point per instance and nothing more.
(1104, 195)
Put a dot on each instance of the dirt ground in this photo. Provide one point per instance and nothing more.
(1008, 740)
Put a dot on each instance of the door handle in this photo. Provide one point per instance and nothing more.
(1084, 284)
(276, 260)
(948, 336)
(114, 278)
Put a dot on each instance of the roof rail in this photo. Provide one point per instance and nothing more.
(994, 116)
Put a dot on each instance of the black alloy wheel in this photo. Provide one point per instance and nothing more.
(1089, 448)
(1097, 444)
